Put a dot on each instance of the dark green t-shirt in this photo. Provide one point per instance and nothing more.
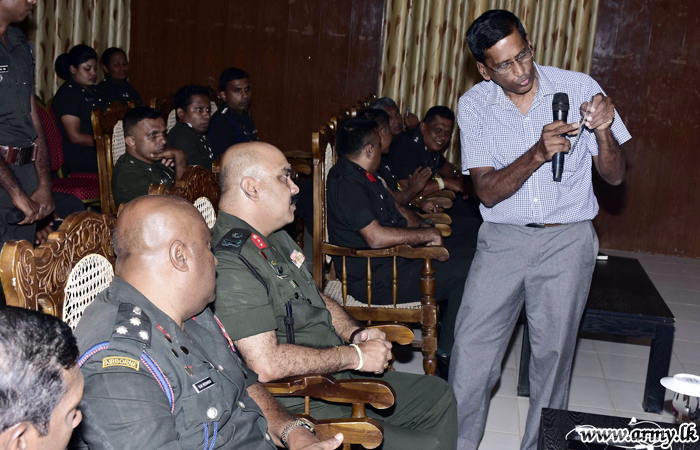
(132, 177)
(248, 306)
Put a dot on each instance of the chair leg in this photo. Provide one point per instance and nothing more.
(428, 318)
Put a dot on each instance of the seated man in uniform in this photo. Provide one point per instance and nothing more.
(40, 382)
(262, 282)
(160, 370)
(147, 160)
(362, 213)
(403, 193)
(397, 122)
(422, 148)
(232, 124)
(193, 111)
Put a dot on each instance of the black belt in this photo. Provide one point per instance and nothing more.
(543, 225)
(15, 156)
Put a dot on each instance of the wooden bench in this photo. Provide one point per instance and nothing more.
(623, 301)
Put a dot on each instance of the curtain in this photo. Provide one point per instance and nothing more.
(426, 60)
(58, 25)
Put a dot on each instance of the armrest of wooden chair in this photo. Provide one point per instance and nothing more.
(442, 202)
(377, 393)
(365, 432)
(396, 332)
(438, 218)
(404, 251)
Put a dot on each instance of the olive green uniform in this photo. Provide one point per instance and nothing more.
(257, 275)
(151, 385)
(195, 145)
(132, 177)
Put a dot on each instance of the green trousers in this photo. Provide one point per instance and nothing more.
(424, 415)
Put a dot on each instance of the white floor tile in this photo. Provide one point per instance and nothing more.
(585, 344)
(676, 366)
(685, 311)
(503, 415)
(689, 368)
(652, 417)
(675, 295)
(499, 441)
(663, 268)
(512, 359)
(679, 281)
(523, 408)
(627, 396)
(687, 351)
(687, 330)
(692, 270)
(587, 391)
(624, 368)
(508, 384)
(621, 348)
(586, 364)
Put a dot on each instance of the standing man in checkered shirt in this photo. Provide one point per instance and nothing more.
(537, 244)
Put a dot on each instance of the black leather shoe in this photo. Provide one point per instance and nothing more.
(443, 366)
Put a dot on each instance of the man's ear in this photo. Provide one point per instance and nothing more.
(15, 437)
(180, 114)
(249, 186)
(482, 70)
(130, 141)
(222, 94)
(177, 256)
(423, 127)
(105, 69)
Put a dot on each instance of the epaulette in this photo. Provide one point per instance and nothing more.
(233, 242)
(132, 330)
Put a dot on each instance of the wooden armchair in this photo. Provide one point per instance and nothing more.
(61, 276)
(198, 186)
(425, 313)
(109, 143)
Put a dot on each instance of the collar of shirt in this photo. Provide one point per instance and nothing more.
(13, 38)
(228, 221)
(352, 167)
(120, 291)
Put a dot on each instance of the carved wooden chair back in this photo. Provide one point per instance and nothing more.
(108, 131)
(424, 312)
(198, 186)
(37, 278)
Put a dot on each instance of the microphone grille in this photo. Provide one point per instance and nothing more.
(560, 102)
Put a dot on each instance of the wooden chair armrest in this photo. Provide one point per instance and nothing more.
(377, 393)
(396, 332)
(405, 251)
(438, 218)
(365, 432)
(445, 230)
(445, 193)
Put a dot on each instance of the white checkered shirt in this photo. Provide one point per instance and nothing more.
(494, 133)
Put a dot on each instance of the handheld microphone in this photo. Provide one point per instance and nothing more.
(560, 110)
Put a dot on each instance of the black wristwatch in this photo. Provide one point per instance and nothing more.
(428, 221)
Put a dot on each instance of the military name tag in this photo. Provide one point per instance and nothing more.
(4, 69)
(203, 385)
(120, 361)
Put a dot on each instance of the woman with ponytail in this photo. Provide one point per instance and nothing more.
(73, 105)
(115, 86)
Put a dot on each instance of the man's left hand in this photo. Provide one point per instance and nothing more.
(601, 113)
(369, 333)
(44, 198)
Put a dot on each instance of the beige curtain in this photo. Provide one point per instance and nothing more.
(426, 60)
(58, 25)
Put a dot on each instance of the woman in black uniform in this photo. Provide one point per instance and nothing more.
(73, 105)
(115, 86)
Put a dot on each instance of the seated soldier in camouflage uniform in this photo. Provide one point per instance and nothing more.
(147, 160)
(263, 282)
(160, 371)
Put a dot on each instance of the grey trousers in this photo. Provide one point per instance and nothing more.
(549, 269)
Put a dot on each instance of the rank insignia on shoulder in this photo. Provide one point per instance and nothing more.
(370, 177)
(298, 258)
(257, 240)
(120, 361)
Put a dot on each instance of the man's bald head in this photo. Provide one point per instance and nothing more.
(149, 224)
(163, 249)
(244, 160)
(256, 186)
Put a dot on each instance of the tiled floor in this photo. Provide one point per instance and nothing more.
(608, 376)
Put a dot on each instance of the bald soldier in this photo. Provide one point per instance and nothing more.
(159, 370)
(283, 326)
